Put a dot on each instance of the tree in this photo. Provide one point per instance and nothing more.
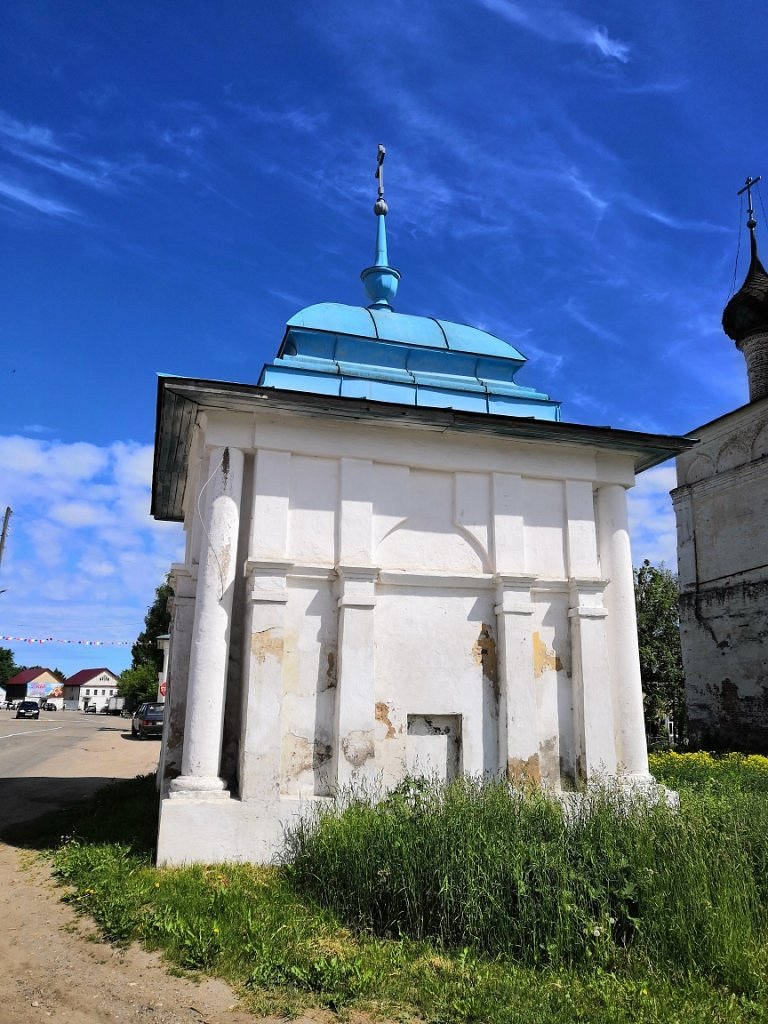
(658, 633)
(138, 684)
(8, 666)
(156, 623)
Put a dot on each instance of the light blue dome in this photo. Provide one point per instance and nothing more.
(374, 353)
(380, 355)
(402, 329)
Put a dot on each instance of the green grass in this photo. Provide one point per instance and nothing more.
(454, 905)
(611, 884)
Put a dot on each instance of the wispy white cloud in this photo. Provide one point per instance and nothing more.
(661, 86)
(99, 174)
(35, 201)
(651, 517)
(559, 26)
(30, 134)
(299, 119)
(33, 147)
(574, 311)
(574, 179)
(645, 209)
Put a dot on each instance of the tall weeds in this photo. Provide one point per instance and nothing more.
(608, 881)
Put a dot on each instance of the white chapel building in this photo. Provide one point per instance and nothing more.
(398, 560)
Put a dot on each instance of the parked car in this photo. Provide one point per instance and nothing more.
(28, 709)
(148, 721)
(49, 706)
(90, 709)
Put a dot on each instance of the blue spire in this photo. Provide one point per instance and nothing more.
(380, 280)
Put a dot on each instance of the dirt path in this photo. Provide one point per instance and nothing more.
(52, 966)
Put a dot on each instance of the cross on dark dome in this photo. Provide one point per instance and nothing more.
(748, 186)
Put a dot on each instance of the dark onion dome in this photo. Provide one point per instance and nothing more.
(747, 311)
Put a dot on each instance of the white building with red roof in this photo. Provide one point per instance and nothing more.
(89, 686)
(36, 683)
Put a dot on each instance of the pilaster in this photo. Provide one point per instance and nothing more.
(355, 718)
(183, 580)
(518, 725)
(592, 698)
(261, 736)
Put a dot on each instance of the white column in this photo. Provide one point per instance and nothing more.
(518, 725)
(261, 737)
(184, 584)
(355, 696)
(206, 690)
(616, 562)
(592, 705)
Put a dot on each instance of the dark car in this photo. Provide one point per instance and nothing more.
(49, 706)
(89, 709)
(148, 721)
(28, 709)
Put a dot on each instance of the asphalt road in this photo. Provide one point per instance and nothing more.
(64, 756)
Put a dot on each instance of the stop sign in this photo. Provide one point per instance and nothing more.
(162, 688)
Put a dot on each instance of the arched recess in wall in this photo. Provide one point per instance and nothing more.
(445, 527)
(760, 444)
(423, 548)
(701, 468)
(733, 453)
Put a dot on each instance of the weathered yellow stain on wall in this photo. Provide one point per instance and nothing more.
(266, 644)
(524, 770)
(382, 715)
(484, 652)
(544, 658)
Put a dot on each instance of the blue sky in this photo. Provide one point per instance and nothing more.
(177, 179)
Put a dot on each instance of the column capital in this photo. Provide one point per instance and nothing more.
(515, 580)
(183, 580)
(513, 593)
(357, 585)
(587, 597)
(267, 580)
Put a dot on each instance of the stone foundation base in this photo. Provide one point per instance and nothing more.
(199, 829)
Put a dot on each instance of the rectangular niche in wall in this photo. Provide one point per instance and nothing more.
(433, 746)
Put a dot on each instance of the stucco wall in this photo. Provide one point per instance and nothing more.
(720, 503)
(401, 600)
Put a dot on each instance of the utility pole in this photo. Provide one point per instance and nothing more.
(4, 534)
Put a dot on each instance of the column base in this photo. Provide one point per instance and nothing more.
(195, 786)
(635, 786)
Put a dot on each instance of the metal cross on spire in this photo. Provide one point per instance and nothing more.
(380, 169)
(380, 208)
